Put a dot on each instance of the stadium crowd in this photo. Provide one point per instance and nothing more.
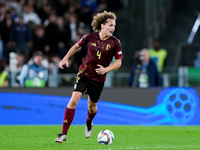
(48, 26)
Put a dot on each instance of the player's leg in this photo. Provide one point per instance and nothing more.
(92, 111)
(70, 111)
(68, 116)
(94, 91)
(79, 88)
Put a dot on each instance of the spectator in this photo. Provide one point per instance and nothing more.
(45, 61)
(14, 5)
(35, 74)
(86, 17)
(17, 67)
(64, 37)
(21, 37)
(81, 30)
(2, 11)
(43, 2)
(5, 29)
(44, 11)
(32, 3)
(71, 21)
(158, 54)
(52, 33)
(3, 74)
(39, 40)
(20, 61)
(73, 24)
(144, 72)
(62, 6)
(30, 15)
(74, 8)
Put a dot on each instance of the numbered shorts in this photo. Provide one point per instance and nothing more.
(88, 86)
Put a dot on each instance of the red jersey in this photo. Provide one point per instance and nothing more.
(98, 52)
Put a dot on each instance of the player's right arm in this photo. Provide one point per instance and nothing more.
(70, 53)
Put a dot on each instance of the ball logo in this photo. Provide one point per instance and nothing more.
(181, 105)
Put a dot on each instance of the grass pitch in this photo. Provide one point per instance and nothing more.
(126, 138)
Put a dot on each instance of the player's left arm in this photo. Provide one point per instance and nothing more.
(102, 70)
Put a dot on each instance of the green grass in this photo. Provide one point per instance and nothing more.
(126, 138)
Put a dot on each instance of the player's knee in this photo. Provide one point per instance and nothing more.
(93, 109)
(73, 103)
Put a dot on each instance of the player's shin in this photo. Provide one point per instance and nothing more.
(90, 118)
(68, 118)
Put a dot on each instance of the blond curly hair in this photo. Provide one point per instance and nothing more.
(101, 18)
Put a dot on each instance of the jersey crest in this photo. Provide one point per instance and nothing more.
(108, 46)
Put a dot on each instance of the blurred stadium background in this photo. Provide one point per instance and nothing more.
(175, 22)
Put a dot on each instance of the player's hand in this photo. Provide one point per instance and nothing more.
(62, 63)
(101, 70)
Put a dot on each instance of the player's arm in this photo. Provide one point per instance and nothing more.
(117, 64)
(70, 53)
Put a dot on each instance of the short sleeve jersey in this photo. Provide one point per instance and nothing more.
(98, 52)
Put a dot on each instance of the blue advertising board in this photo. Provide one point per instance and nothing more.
(173, 106)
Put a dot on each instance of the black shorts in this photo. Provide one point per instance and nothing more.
(88, 86)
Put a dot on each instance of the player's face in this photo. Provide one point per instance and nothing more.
(109, 27)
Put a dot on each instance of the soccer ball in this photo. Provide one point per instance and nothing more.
(105, 137)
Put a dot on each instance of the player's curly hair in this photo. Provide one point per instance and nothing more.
(101, 18)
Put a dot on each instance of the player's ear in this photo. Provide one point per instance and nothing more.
(102, 26)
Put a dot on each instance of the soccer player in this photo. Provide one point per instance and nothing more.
(102, 46)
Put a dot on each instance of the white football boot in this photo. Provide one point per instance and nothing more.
(61, 137)
(88, 133)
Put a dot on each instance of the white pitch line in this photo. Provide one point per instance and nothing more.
(136, 148)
